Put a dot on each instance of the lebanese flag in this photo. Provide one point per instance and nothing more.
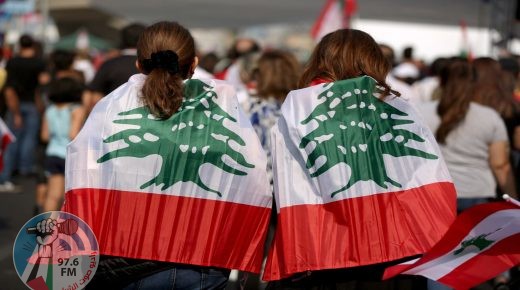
(191, 189)
(6, 137)
(483, 242)
(335, 15)
(357, 180)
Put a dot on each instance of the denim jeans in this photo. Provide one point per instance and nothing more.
(465, 203)
(20, 154)
(183, 278)
(434, 285)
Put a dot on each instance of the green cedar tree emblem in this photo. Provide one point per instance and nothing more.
(480, 242)
(356, 128)
(190, 138)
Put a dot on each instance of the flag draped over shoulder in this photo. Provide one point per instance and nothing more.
(191, 189)
(483, 242)
(357, 180)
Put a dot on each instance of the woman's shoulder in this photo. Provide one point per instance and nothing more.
(478, 109)
(220, 86)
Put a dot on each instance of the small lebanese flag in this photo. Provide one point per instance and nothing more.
(483, 242)
(191, 189)
(6, 138)
(334, 15)
(357, 180)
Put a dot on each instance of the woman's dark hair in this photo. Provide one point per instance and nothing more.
(130, 35)
(437, 65)
(344, 54)
(277, 74)
(62, 60)
(173, 47)
(243, 46)
(456, 82)
(492, 88)
(26, 41)
(65, 90)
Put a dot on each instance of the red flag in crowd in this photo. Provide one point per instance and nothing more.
(483, 242)
(6, 138)
(466, 47)
(335, 15)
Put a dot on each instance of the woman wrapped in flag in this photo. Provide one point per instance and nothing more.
(359, 180)
(170, 175)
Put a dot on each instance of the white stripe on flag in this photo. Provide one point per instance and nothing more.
(332, 20)
(506, 221)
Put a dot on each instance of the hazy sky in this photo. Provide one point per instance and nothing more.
(240, 13)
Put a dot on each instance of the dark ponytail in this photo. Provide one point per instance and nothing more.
(162, 93)
(166, 54)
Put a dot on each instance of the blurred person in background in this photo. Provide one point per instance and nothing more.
(116, 71)
(511, 73)
(269, 77)
(24, 105)
(62, 62)
(495, 88)
(61, 66)
(83, 63)
(247, 66)
(231, 71)
(3, 72)
(209, 61)
(511, 68)
(407, 70)
(275, 75)
(202, 73)
(405, 89)
(62, 121)
(427, 89)
(473, 137)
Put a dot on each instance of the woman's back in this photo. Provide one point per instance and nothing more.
(59, 121)
(466, 149)
(167, 169)
(189, 182)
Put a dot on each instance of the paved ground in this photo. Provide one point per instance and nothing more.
(15, 211)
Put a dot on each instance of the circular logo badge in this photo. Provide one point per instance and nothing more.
(56, 250)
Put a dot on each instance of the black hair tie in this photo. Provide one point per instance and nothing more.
(164, 59)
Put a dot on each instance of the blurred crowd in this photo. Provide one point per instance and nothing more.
(471, 105)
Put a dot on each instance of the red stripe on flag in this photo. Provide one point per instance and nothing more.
(172, 228)
(488, 264)
(350, 7)
(360, 231)
(319, 22)
(398, 269)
